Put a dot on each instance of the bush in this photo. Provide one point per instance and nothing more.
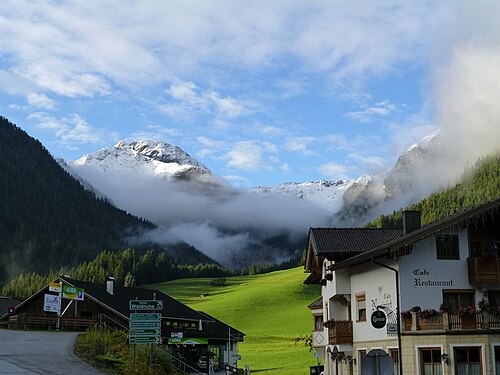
(218, 282)
(110, 351)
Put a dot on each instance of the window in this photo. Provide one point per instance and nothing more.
(468, 361)
(394, 353)
(497, 360)
(361, 303)
(318, 322)
(456, 299)
(430, 361)
(361, 355)
(447, 246)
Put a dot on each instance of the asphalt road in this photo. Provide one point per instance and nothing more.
(47, 353)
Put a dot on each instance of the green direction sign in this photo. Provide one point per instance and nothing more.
(153, 304)
(144, 332)
(144, 339)
(134, 324)
(145, 317)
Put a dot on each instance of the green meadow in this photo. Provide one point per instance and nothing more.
(271, 309)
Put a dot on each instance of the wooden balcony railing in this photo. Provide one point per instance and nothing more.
(484, 269)
(339, 332)
(449, 321)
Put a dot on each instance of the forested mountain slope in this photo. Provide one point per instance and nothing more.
(47, 219)
(479, 185)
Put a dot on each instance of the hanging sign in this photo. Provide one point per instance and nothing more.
(71, 292)
(378, 319)
(54, 287)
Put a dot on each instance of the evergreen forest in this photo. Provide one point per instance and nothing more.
(478, 185)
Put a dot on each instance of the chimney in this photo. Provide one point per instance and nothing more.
(110, 285)
(411, 221)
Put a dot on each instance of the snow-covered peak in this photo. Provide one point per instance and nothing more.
(146, 156)
(160, 151)
(326, 193)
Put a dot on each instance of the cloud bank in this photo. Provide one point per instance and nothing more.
(221, 222)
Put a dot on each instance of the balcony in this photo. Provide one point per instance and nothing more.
(339, 332)
(485, 269)
(448, 321)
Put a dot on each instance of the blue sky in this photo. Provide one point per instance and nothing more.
(260, 92)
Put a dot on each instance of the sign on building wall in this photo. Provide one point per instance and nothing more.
(188, 341)
(51, 303)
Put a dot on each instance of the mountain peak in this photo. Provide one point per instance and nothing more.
(160, 151)
(146, 157)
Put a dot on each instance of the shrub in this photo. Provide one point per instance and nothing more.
(218, 282)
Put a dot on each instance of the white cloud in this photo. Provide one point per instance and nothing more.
(250, 155)
(70, 131)
(300, 144)
(336, 171)
(85, 48)
(40, 101)
(377, 110)
(210, 147)
(190, 100)
(370, 164)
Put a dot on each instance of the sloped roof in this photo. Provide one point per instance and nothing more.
(316, 304)
(468, 216)
(328, 241)
(119, 301)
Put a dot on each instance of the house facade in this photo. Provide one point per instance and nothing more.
(436, 288)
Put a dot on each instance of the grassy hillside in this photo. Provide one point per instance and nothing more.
(271, 309)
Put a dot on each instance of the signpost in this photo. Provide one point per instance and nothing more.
(147, 317)
(141, 324)
(146, 304)
(144, 340)
(145, 327)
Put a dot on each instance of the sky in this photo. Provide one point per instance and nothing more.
(260, 92)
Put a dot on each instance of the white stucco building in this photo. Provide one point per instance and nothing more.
(447, 272)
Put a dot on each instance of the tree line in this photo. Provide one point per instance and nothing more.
(131, 268)
(478, 185)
